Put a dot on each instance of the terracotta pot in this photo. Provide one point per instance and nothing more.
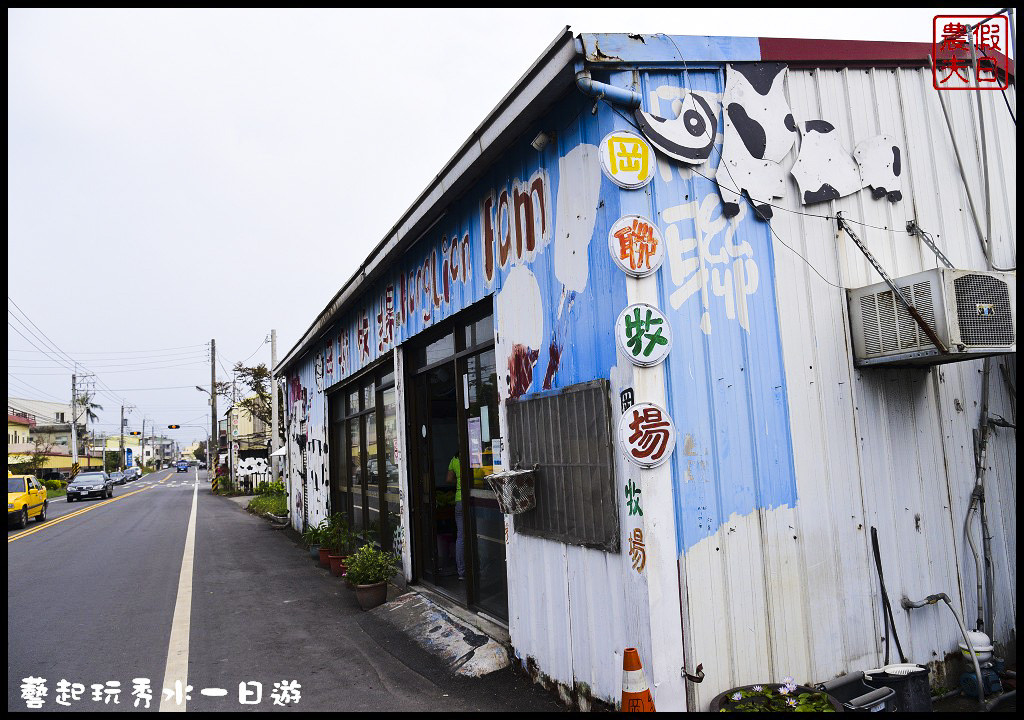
(370, 596)
(325, 555)
(314, 552)
(337, 565)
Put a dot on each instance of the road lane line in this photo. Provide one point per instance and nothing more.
(177, 648)
(62, 518)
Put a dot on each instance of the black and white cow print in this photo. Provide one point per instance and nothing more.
(880, 164)
(824, 169)
(759, 132)
(690, 136)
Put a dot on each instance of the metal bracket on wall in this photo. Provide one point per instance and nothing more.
(888, 281)
(697, 678)
(914, 229)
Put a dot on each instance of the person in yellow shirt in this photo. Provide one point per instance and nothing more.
(455, 476)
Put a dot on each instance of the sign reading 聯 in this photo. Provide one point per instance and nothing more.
(643, 334)
(647, 435)
(627, 160)
(636, 245)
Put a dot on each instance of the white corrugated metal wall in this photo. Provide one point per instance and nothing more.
(885, 448)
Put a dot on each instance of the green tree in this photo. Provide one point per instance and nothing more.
(256, 381)
(111, 461)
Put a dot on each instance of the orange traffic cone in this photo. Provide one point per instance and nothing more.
(636, 696)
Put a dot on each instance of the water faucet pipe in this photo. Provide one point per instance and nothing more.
(932, 600)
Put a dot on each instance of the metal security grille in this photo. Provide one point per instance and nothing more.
(983, 310)
(887, 324)
(568, 435)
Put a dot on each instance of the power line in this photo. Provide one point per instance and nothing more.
(119, 360)
(12, 376)
(104, 367)
(104, 389)
(154, 350)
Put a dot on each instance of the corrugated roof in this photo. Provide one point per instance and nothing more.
(530, 97)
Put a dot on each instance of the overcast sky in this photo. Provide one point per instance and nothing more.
(181, 175)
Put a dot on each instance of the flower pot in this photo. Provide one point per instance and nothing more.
(370, 596)
(314, 552)
(337, 565)
(721, 702)
(325, 555)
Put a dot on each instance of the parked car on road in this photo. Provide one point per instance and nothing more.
(117, 478)
(133, 473)
(90, 484)
(26, 498)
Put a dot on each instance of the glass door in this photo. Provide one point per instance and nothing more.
(438, 476)
(480, 403)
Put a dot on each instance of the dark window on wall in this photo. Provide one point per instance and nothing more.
(568, 435)
(364, 475)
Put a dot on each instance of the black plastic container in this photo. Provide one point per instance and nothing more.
(856, 695)
(913, 693)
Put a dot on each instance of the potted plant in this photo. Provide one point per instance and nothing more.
(311, 539)
(338, 542)
(786, 696)
(369, 569)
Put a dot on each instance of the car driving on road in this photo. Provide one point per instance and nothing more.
(26, 498)
(90, 484)
(182, 466)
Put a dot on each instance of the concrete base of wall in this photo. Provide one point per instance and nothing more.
(465, 649)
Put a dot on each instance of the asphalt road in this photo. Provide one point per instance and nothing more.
(92, 598)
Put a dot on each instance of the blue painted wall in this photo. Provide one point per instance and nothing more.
(725, 377)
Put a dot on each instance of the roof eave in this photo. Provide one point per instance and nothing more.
(537, 89)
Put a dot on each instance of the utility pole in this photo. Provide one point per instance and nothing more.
(213, 454)
(273, 406)
(142, 448)
(120, 461)
(231, 433)
(74, 427)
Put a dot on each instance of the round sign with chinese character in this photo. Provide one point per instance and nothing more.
(643, 334)
(647, 435)
(636, 245)
(627, 159)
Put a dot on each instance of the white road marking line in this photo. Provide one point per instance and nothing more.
(177, 648)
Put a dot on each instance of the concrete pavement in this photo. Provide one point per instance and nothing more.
(261, 611)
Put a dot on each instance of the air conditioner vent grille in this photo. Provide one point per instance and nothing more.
(888, 326)
(983, 310)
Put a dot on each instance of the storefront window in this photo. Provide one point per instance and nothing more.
(355, 473)
(365, 479)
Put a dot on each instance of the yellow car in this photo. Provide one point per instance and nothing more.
(26, 498)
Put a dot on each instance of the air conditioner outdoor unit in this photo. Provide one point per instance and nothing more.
(974, 314)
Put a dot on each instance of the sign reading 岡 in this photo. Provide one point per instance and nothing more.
(627, 159)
